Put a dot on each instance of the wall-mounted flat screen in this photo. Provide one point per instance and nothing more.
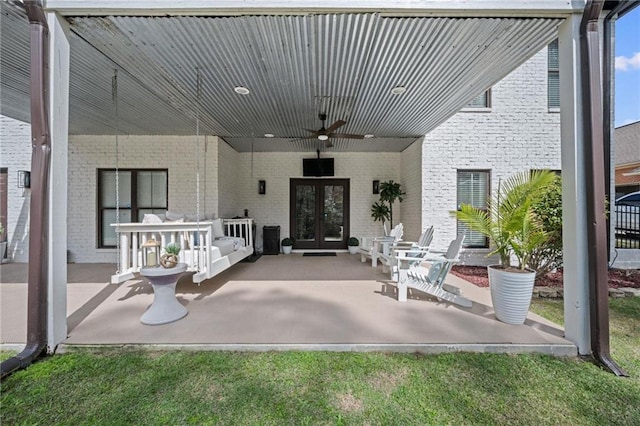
(317, 167)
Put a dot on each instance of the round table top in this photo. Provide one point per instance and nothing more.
(159, 271)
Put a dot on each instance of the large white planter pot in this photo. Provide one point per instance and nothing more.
(286, 249)
(353, 249)
(511, 294)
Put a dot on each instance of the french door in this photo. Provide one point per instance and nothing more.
(319, 213)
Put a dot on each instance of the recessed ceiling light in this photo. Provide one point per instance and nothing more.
(398, 90)
(241, 90)
(368, 136)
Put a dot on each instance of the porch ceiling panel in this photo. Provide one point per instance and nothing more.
(295, 66)
(14, 62)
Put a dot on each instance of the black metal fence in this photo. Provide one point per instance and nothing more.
(627, 227)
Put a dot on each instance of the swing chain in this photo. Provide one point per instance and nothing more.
(114, 95)
(198, 93)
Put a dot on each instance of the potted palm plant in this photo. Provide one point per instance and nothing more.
(515, 232)
(353, 243)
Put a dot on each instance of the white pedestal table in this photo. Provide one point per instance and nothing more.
(165, 307)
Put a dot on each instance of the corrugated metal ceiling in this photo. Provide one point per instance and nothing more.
(295, 66)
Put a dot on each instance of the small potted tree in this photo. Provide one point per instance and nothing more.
(287, 245)
(390, 192)
(380, 213)
(353, 243)
(515, 232)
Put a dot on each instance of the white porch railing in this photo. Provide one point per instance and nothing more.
(194, 239)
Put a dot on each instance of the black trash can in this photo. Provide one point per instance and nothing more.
(271, 239)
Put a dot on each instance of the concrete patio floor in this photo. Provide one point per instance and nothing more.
(278, 303)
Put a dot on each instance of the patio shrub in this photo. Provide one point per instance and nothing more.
(510, 221)
(547, 257)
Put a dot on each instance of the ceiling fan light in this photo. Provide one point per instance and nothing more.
(269, 135)
(323, 137)
(369, 136)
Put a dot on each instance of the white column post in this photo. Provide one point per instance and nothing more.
(59, 51)
(574, 200)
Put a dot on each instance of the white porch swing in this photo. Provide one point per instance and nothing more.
(207, 247)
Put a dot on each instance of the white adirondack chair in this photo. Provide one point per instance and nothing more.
(372, 247)
(417, 249)
(431, 280)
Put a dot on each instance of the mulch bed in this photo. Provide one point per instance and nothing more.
(617, 277)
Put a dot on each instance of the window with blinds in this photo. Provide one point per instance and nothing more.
(473, 188)
(481, 101)
(553, 79)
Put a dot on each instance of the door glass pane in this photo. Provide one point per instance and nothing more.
(108, 231)
(333, 213)
(305, 213)
(152, 189)
(108, 188)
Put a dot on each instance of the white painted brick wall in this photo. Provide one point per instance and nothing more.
(277, 168)
(15, 154)
(518, 134)
(228, 177)
(411, 180)
(87, 154)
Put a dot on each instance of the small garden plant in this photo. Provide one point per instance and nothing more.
(172, 248)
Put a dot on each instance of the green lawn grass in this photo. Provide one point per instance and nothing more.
(141, 387)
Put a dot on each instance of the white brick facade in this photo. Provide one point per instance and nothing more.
(276, 169)
(517, 133)
(15, 154)
(177, 154)
(411, 179)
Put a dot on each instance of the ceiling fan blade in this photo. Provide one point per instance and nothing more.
(345, 136)
(335, 125)
(328, 144)
(312, 131)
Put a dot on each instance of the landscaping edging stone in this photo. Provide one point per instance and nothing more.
(558, 292)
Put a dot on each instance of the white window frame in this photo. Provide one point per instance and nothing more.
(460, 226)
(553, 70)
(487, 102)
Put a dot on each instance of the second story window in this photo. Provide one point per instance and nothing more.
(481, 101)
(553, 77)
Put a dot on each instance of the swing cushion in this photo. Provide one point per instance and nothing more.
(194, 217)
(218, 229)
(174, 216)
(151, 218)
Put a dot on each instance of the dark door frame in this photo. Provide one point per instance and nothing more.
(319, 243)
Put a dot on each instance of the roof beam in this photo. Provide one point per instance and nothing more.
(457, 8)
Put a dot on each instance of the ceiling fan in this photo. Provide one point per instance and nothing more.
(328, 132)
